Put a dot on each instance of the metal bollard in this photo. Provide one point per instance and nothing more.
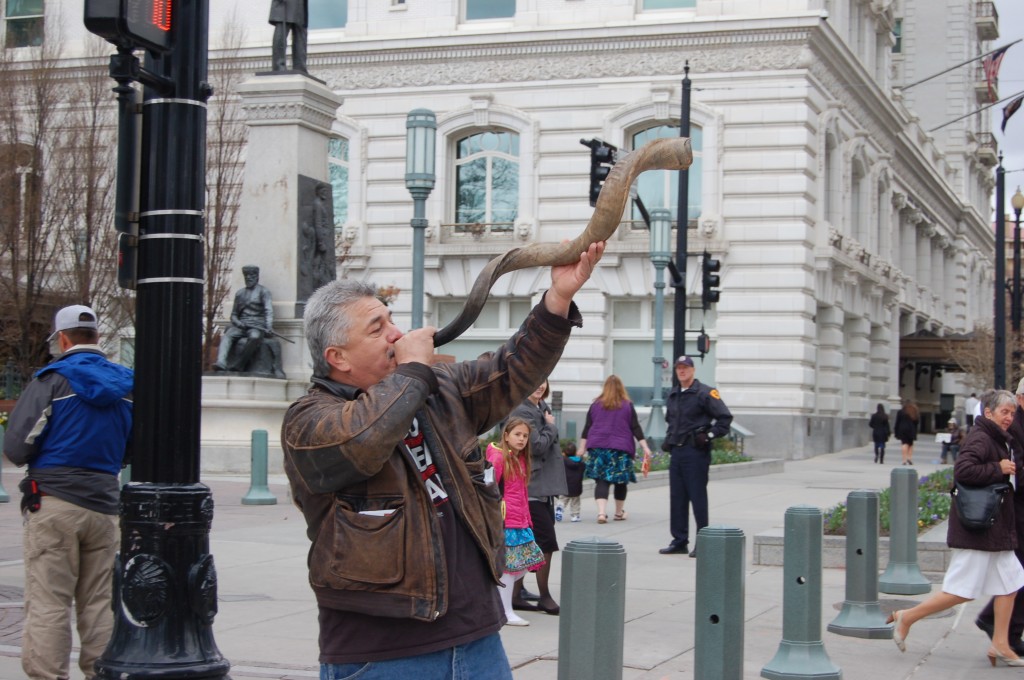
(861, 615)
(801, 653)
(903, 576)
(126, 475)
(259, 492)
(592, 622)
(718, 628)
(4, 496)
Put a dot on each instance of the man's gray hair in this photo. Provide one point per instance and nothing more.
(993, 399)
(327, 320)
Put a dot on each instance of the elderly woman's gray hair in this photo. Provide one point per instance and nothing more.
(993, 399)
(327, 321)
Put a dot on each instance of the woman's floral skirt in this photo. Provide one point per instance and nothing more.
(615, 467)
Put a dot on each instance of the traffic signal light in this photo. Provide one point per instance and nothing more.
(602, 158)
(132, 23)
(703, 343)
(710, 281)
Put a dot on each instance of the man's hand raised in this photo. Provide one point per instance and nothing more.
(567, 279)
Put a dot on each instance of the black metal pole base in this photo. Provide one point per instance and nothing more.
(165, 587)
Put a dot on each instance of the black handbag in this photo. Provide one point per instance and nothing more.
(977, 506)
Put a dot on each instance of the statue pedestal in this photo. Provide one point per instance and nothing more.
(235, 405)
(289, 117)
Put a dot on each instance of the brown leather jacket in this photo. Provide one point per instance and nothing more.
(343, 458)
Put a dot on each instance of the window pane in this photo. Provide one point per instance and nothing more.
(660, 189)
(337, 148)
(490, 9)
(505, 190)
(337, 171)
(447, 310)
(518, 310)
(490, 315)
(625, 315)
(24, 33)
(668, 4)
(24, 8)
(471, 188)
(339, 189)
(328, 13)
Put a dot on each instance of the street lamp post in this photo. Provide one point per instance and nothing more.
(1015, 314)
(661, 255)
(421, 134)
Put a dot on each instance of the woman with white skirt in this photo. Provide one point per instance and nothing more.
(984, 563)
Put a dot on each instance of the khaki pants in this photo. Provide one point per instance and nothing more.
(69, 557)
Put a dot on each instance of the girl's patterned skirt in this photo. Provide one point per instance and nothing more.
(521, 551)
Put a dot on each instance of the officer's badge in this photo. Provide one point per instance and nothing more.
(715, 394)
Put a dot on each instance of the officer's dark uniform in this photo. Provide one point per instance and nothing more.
(690, 414)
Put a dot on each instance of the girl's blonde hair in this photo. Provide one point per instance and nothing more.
(515, 467)
(613, 393)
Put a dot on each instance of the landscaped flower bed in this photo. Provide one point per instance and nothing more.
(933, 502)
(722, 453)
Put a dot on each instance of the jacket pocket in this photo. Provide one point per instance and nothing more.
(369, 542)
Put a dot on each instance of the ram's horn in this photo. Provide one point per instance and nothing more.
(659, 154)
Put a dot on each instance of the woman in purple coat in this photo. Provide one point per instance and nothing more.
(983, 563)
(609, 439)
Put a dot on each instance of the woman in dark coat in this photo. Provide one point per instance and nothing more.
(905, 430)
(983, 563)
(880, 432)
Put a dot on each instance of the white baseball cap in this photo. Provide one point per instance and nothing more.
(75, 316)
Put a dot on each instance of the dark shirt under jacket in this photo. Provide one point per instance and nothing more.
(695, 407)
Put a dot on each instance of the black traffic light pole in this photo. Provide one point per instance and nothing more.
(165, 583)
(999, 321)
(682, 215)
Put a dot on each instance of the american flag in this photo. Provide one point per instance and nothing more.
(1011, 109)
(990, 64)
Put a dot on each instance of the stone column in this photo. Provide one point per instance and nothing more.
(289, 118)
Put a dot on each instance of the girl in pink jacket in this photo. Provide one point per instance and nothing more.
(511, 461)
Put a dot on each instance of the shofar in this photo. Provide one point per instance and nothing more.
(659, 154)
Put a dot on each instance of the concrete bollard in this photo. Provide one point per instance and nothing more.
(801, 653)
(4, 496)
(592, 621)
(861, 615)
(259, 492)
(718, 628)
(903, 576)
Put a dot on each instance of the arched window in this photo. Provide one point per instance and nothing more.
(660, 189)
(337, 173)
(487, 179)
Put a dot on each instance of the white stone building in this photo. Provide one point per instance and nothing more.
(843, 224)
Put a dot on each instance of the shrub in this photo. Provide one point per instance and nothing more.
(723, 452)
(933, 503)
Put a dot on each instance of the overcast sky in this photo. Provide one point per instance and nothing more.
(1011, 80)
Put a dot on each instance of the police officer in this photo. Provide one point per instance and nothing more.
(696, 415)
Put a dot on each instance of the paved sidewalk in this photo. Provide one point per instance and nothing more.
(267, 624)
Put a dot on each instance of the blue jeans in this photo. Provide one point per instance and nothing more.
(482, 659)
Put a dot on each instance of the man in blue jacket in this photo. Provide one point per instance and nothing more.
(71, 426)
